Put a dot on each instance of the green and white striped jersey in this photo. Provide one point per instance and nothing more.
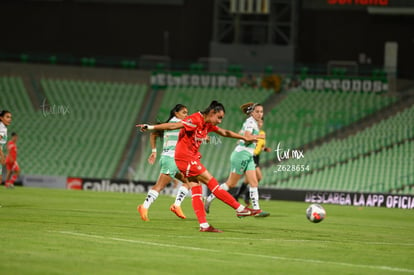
(250, 125)
(170, 139)
(3, 135)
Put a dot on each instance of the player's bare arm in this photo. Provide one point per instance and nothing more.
(153, 143)
(162, 126)
(231, 134)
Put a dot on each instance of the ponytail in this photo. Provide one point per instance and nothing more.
(174, 110)
(215, 106)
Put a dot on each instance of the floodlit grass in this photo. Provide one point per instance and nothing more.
(46, 231)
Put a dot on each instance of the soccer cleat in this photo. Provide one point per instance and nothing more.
(247, 212)
(262, 214)
(254, 211)
(244, 213)
(8, 185)
(210, 229)
(177, 211)
(143, 212)
(207, 206)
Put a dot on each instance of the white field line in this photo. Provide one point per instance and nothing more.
(377, 267)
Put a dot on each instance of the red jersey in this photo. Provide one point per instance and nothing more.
(12, 149)
(191, 136)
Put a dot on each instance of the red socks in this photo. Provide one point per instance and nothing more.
(197, 202)
(222, 194)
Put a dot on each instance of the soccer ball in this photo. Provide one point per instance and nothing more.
(315, 213)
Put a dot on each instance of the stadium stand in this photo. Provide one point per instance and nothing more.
(375, 159)
(304, 116)
(12, 87)
(80, 129)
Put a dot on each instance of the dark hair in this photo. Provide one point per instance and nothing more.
(13, 134)
(177, 108)
(214, 105)
(4, 112)
(174, 110)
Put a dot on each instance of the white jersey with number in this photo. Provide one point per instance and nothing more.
(3, 135)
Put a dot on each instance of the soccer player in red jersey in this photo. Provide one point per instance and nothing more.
(194, 130)
(242, 162)
(5, 120)
(169, 169)
(12, 166)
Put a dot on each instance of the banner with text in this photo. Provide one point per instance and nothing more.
(161, 80)
(343, 84)
(110, 185)
(323, 197)
(341, 198)
(178, 79)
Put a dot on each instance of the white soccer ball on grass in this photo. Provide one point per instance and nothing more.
(315, 213)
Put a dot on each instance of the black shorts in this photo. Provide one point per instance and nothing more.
(256, 160)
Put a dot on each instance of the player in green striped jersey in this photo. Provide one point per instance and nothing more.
(242, 162)
(168, 167)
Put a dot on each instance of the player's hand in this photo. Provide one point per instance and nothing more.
(152, 157)
(144, 127)
(267, 149)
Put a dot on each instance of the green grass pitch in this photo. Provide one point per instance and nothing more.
(46, 231)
